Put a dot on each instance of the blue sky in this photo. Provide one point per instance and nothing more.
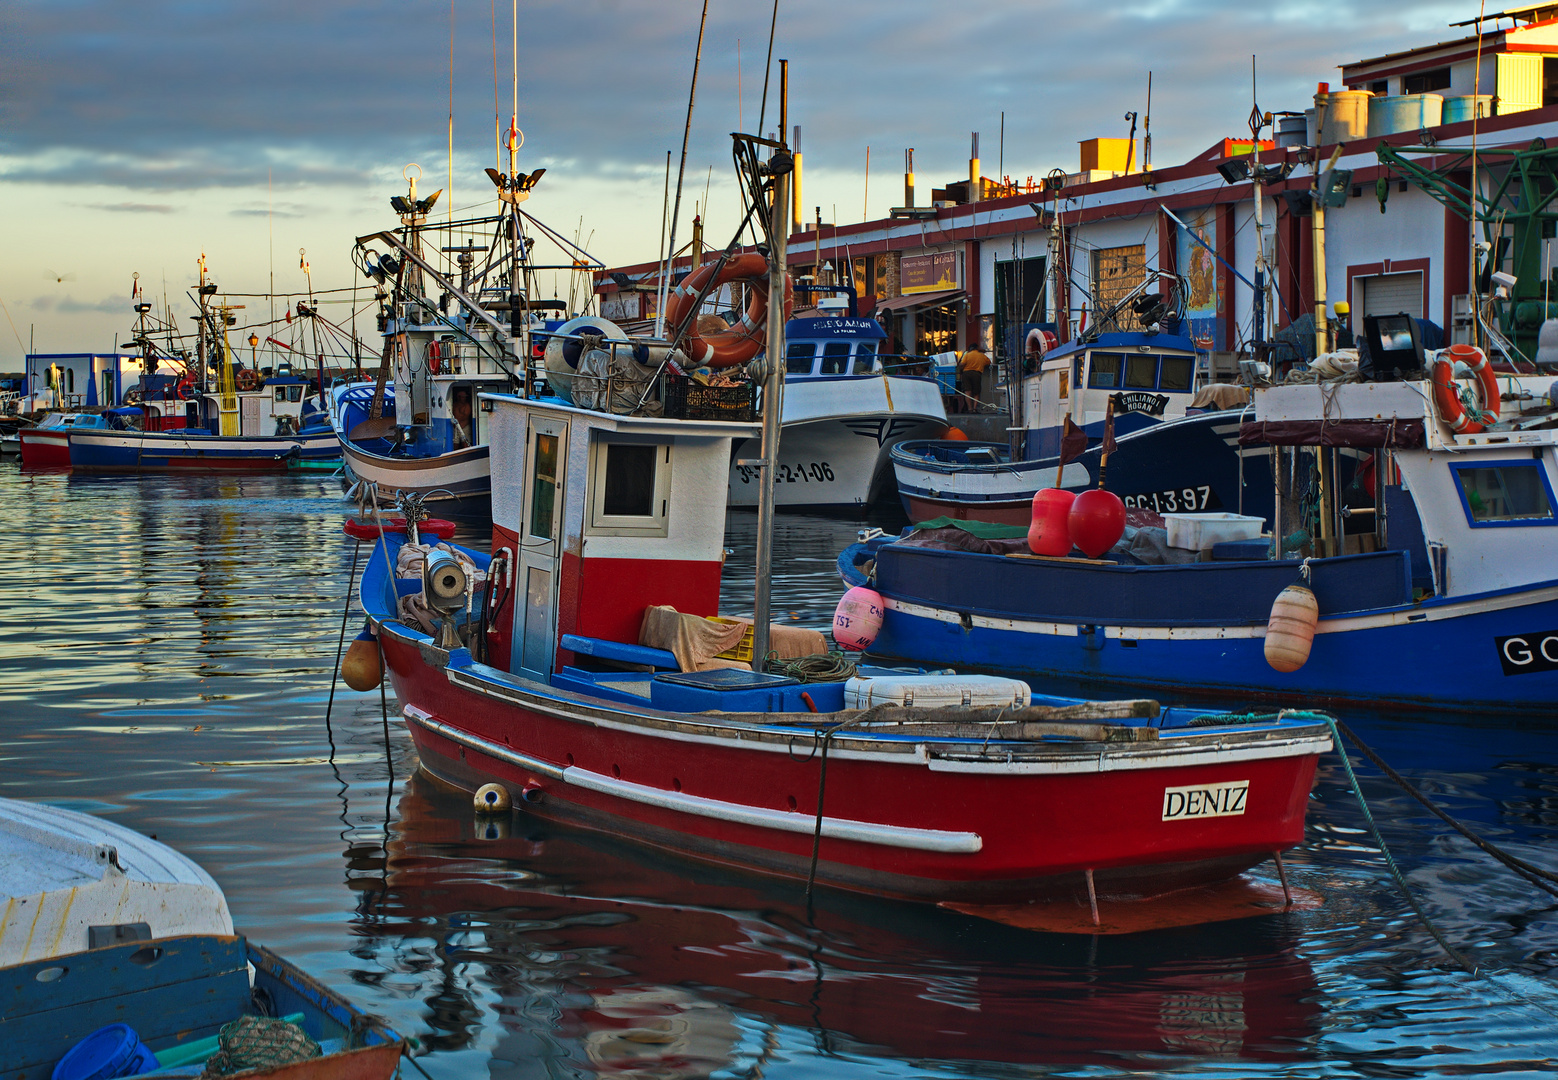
(135, 136)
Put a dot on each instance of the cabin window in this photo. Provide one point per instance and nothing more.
(280, 393)
(865, 358)
(1505, 493)
(798, 357)
(543, 486)
(835, 358)
(1141, 372)
(630, 488)
(1179, 373)
(1104, 371)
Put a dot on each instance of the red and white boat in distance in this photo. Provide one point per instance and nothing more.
(597, 517)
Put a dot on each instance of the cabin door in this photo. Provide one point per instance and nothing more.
(540, 547)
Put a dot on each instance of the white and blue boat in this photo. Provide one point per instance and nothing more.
(846, 405)
(1439, 592)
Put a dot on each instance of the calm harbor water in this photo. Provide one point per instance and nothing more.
(165, 661)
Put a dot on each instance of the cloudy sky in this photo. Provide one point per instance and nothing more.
(134, 136)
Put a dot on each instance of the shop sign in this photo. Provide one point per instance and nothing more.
(934, 271)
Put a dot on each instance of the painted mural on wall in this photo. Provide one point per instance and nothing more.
(1199, 268)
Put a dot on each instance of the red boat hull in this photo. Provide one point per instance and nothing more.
(45, 448)
(1036, 828)
(923, 508)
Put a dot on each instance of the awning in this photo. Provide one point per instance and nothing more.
(920, 300)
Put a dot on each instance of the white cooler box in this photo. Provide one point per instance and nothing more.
(1198, 532)
(932, 691)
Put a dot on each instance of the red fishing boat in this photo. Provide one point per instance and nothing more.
(579, 671)
(598, 518)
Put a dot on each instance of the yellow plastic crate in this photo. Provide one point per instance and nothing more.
(741, 650)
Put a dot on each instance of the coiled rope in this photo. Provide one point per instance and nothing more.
(817, 668)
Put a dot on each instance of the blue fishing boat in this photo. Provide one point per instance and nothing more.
(1434, 587)
(118, 957)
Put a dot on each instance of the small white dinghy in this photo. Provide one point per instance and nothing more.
(72, 882)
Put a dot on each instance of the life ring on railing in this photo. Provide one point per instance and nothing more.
(186, 387)
(1447, 395)
(433, 357)
(246, 379)
(742, 341)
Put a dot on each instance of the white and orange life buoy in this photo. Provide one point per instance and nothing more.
(744, 340)
(434, 355)
(1447, 395)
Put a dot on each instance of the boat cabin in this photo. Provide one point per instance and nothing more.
(598, 517)
(832, 345)
(1150, 377)
(441, 368)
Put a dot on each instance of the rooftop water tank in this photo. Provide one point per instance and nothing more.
(1292, 131)
(1405, 112)
(1461, 108)
(1346, 115)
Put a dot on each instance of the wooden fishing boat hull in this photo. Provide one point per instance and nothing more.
(155, 452)
(458, 483)
(1199, 629)
(903, 817)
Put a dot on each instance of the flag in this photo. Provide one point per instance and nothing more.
(1109, 446)
(1073, 442)
(513, 134)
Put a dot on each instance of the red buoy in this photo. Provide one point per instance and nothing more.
(1049, 533)
(1096, 521)
(953, 434)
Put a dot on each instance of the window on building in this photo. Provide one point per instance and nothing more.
(866, 277)
(1550, 80)
(1505, 494)
(835, 358)
(798, 356)
(1426, 82)
(937, 330)
(1116, 271)
(631, 489)
(1019, 299)
(1380, 87)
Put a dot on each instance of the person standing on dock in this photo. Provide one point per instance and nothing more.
(971, 377)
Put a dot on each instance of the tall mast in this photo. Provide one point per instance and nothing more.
(773, 385)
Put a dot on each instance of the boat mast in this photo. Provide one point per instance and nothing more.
(773, 384)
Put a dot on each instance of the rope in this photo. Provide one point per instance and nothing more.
(1545, 880)
(817, 668)
(258, 1042)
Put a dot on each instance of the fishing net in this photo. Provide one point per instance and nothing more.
(258, 1042)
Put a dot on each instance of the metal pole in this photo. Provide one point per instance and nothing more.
(773, 406)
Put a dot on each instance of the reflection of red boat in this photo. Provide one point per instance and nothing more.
(950, 804)
(651, 968)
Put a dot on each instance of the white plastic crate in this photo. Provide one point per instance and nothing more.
(1198, 532)
(933, 691)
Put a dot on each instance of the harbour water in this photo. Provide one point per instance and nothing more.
(166, 661)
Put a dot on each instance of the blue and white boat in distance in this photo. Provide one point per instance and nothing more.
(846, 405)
(1446, 598)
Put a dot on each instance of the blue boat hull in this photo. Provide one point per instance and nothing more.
(1149, 630)
(136, 451)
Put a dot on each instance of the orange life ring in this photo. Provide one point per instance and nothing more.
(433, 356)
(186, 387)
(744, 340)
(1447, 396)
(247, 379)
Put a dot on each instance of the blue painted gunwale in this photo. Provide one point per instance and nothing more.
(147, 451)
(1435, 654)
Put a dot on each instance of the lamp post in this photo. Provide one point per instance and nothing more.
(254, 343)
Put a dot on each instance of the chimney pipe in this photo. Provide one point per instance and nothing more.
(908, 178)
(796, 221)
(973, 171)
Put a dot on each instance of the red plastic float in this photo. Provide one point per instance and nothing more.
(1049, 534)
(1096, 521)
(367, 530)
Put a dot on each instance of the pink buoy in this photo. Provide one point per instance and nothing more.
(1096, 521)
(1049, 533)
(858, 618)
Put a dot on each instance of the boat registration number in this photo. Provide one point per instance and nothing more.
(1186, 500)
(1205, 800)
(819, 472)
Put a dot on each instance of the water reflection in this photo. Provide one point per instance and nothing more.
(604, 955)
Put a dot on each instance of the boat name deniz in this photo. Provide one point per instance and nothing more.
(815, 471)
(1186, 500)
(1205, 800)
(1523, 654)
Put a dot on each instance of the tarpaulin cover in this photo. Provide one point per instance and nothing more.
(1388, 434)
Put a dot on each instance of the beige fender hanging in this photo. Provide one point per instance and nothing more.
(1291, 629)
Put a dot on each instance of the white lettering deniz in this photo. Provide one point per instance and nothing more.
(1205, 800)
